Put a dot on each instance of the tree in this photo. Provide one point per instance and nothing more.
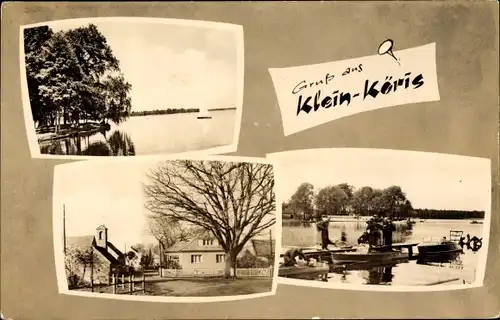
(77, 262)
(147, 259)
(233, 201)
(75, 74)
(348, 189)
(361, 201)
(60, 77)
(331, 200)
(35, 40)
(168, 231)
(302, 201)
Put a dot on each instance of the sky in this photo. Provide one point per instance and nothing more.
(430, 180)
(105, 192)
(172, 66)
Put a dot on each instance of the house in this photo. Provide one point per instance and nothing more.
(201, 252)
(106, 258)
(204, 253)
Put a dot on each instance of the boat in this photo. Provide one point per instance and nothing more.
(204, 114)
(445, 251)
(364, 257)
(304, 272)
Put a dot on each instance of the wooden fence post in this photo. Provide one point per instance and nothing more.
(123, 281)
(143, 283)
(130, 285)
(113, 282)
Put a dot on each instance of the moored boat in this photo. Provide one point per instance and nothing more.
(304, 272)
(357, 257)
(204, 114)
(445, 251)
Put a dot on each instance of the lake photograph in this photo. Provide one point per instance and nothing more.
(131, 86)
(398, 219)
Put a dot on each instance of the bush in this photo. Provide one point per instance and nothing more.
(171, 264)
(248, 260)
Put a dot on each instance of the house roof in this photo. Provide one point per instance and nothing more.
(89, 241)
(194, 246)
(263, 248)
(80, 241)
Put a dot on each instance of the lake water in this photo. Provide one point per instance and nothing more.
(404, 273)
(170, 133)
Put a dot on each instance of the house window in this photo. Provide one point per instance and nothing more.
(100, 235)
(174, 258)
(196, 258)
(220, 258)
(208, 242)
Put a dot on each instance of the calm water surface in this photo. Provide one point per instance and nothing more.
(401, 274)
(171, 133)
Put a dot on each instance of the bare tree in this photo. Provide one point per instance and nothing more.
(233, 201)
(168, 231)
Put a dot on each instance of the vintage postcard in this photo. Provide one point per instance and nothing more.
(156, 229)
(374, 219)
(131, 86)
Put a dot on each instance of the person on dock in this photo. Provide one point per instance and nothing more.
(374, 230)
(387, 229)
(363, 238)
(325, 237)
(290, 256)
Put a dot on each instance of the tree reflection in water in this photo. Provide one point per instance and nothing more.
(118, 144)
(378, 275)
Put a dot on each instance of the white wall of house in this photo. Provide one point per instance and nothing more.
(199, 260)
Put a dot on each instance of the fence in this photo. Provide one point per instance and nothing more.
(209, 272)
(123, 284)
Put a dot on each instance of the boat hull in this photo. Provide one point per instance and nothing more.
(438, 252)
(358, 257)
(304, 273)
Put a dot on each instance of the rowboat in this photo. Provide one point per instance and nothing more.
(304, 272)
(438, 252)
(359, 257)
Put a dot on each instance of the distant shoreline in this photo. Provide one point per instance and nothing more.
(172, 111)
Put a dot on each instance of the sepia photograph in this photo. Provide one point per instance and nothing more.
(131, 86)
(374, 219)
(177, 229)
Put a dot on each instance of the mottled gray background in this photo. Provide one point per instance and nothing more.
(277, 34)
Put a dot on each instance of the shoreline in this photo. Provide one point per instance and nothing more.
(173, 111)
(85, 129)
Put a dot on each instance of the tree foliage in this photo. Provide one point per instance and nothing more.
(78, 262)
(249, 260)
(74, 74)
(233, 201)
(331, 200)
(302, 201)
